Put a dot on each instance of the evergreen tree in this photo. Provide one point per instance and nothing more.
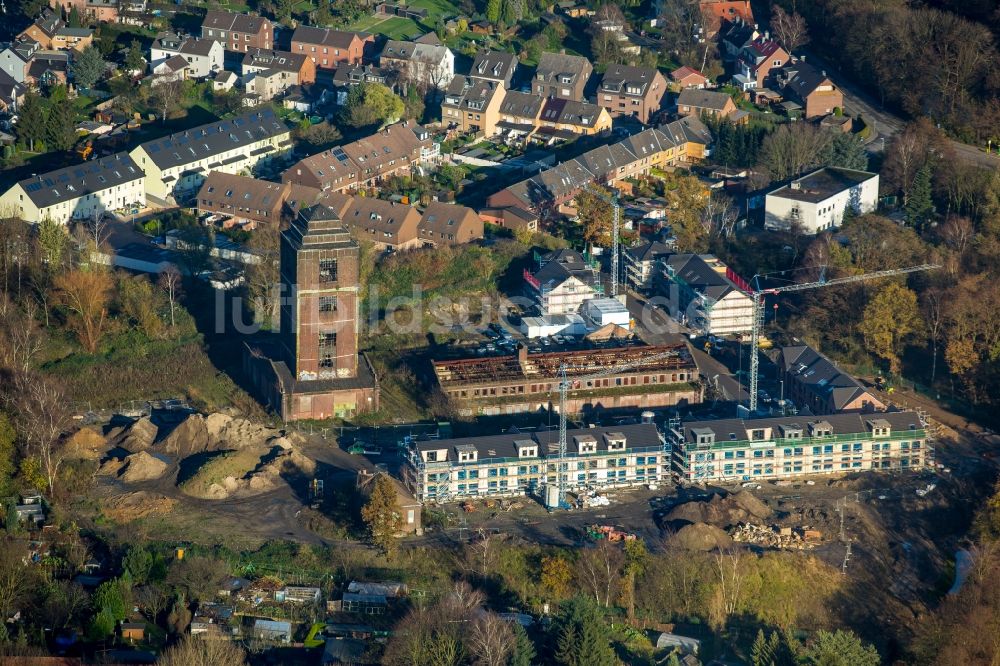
(60, 133)
(582, 637)
(134, 61)
(89, 67)
(847, 151)
(74, 18)
(766, 651)
(493, 8)
(523, 651)
(31, 120)
(920, 205)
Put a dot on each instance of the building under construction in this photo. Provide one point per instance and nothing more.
(629, 377)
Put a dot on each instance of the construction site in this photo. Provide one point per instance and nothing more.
(634, 377)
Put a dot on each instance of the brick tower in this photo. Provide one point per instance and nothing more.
(317, 372)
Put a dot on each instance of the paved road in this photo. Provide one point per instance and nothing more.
(886, 124)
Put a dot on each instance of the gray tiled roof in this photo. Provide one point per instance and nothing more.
(820, 376)
(703, 99)
(727, 430)
(642, 435)
(233, 22)
(80, 180)
(283, 61)
(212, 139)
(551, 65)
(623, 78)
(324, 36)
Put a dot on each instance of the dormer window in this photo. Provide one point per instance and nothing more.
(526, 448)
(615, 441)
(758, 435)
(586, 444)
(467, 453)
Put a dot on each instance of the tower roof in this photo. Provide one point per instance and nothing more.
(319, 226)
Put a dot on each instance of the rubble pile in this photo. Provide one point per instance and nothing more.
(784, 538)
(733, 509)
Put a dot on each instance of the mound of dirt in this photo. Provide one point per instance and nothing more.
(143, 466)
(699, 536)
(139, 436)
(247, 472)
(110, 467)
(188, 437)
(236, 433)
(85, 443)
(132, 506)
(739, 507)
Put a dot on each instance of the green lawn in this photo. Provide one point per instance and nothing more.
(394, 27)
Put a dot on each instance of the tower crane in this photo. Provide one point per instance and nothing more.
(757, 296)
(564, 388)
(615, 223)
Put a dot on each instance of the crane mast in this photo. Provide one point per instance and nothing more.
(615, 232)
(757, 297)
(564, 386)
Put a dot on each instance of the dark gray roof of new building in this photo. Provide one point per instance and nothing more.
(80, 180)
(819, 375)
(822, 184)
(648, 251)
(735, 430)
(695, 271)
(642, 435)
(564, 264)
(212, 139)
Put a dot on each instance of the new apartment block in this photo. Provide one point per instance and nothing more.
(525, 462)
(793, 446)
(705, 294)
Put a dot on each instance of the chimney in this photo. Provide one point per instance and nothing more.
(522, 354)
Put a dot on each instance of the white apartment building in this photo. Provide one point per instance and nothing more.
(732, 450)
(177, 165)
(818, 201)
(705, 295)
(563, 282)
(432, 65)
(79, 192)
(204, 56)
(526, 462)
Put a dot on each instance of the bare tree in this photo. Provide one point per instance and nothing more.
(192, 651)
(41, 416)
(86, 294)
(491, 640)
(14, 581)
(263, 277)
(932, 302)
(20, 339)
(170, 282)
(599, 570)
(166, 93)
(790, 29)
(731, 575)
(719, 215)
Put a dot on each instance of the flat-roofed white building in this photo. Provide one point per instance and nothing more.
(79, 192)
(818, 201)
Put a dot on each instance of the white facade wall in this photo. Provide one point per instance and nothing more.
(566, 298)
(781, 212)
(81, 208)
(199, 66)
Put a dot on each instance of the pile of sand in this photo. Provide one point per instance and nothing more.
(740, 507)
(139, 436)
(247, 472)
(144, 466)
(133, 506)
(195, 434)
(699, 536)
(85, 443)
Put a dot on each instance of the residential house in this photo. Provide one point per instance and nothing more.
(16, 56)
(642, 262)
(212, 619)
(694, 102)
(568, 119)
(133, 631)
(176, 165)
(295, 68)
(514, 218)
(757, 61)
(346, 77)
(688, 77)
(471, 105)
(427, 65)
(364, 163)
(735, 36)
(811, 88)
(79, 192)
(632, 91)
(245, 201)
(204, 56)
(682, 141)
(510, 464)
(705, 294)
(224, 81)
(174, 68)
(815, 382)
(563, 281)
(238, 31)
(729, 450)
(371, 598)
(43, 29)
(263, 86)
(448, 224)
(48, 68)
(496, 66)
(717, 13)
(388, 225)
(72, 39)
(11, 93)
(561, 75)
(520, 114)
(410, 509)
(331, 48)
(819, 200)
(101, 11)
